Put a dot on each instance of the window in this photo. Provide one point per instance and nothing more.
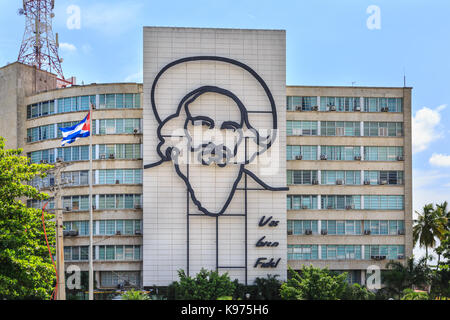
(113, 227)
(341, 104)
(120, 151)
(384, 202)
(302, 252)
(383, 177)
(340, 152)
(340, 202)
(339, 128)
(41, 133)
(302, 103)
(301, 128)
(383, 104)
(342, 227)
(76, 203)
(117, 126)
(341, 252)
(114, 278)
(40, 109)
(119, 252)
(78, 153)
(39, 204)
(120, 101)
(301, 176)
(119, 201)
(383, 153)
(393, 252)
(342, 177)
(75, 178)
(298, 202)
(299, 227)
(306, 152)
(383, 129)
(121, 176)
(81, 226)
(42, 156)
(76, 253)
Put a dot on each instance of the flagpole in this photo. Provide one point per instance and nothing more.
(91, 229)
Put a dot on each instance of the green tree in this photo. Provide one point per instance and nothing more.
(313, 284)
(135, 295)
(399, 276)
(357, 292)
(429, 226)
(267, 288)
(410, 294)
(207, 285)
(26, 270)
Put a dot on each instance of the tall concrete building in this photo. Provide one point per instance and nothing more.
(324, 176)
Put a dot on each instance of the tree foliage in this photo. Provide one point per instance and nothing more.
(313, 284)
(26, 270)
(206, 285)
(409, 294)
(135, 295)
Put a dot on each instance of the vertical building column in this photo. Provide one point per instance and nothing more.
(319, 207)
(318, 128)
(318, 152)
(319, 176)
(361, 128)
(361, 152)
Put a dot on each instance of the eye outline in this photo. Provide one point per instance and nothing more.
(206, 121)
(230, 125)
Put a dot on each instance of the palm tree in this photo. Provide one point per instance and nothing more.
(399, 276)
(429, 226)
(444, 213)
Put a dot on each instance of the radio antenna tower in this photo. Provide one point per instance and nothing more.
(39, 46)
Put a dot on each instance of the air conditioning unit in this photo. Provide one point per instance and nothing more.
(289, 232)
(382, 182)
(330, 207)
(339, 181)
(304, 207)
(118, 233)
(299, 157)
(358, 158)
(67, 208)
(357, 108)
(384, 109)
(93, 207)
(375, 257)
(70, 233)
(401, 232)
(332, 108)
(112, 156)
(367, 232)
(29, 139)
(117, 181)
(137, 206)
(136, 131)
(103, 156)
(315, 108)
(350, 207)
(43, 161)
(315, 181)
(308, 232)
(367, 182)
(297, 132)
(401, 256)
(382, 257)
(59, 159)
(323, 157)
(400, 158)
(324, 232)
(138, 232)
(298, 108)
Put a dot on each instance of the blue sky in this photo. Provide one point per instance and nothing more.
(328, 43)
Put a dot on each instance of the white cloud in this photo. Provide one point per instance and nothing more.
(424, 127)
(440, 160)
(68, 47)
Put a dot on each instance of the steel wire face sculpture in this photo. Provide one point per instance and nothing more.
(210, 152)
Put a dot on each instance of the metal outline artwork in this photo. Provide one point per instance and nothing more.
(191, 97)
(243, 172)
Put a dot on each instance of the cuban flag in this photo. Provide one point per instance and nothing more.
(80, 130)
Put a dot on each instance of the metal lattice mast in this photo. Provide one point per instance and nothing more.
(39, 46)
